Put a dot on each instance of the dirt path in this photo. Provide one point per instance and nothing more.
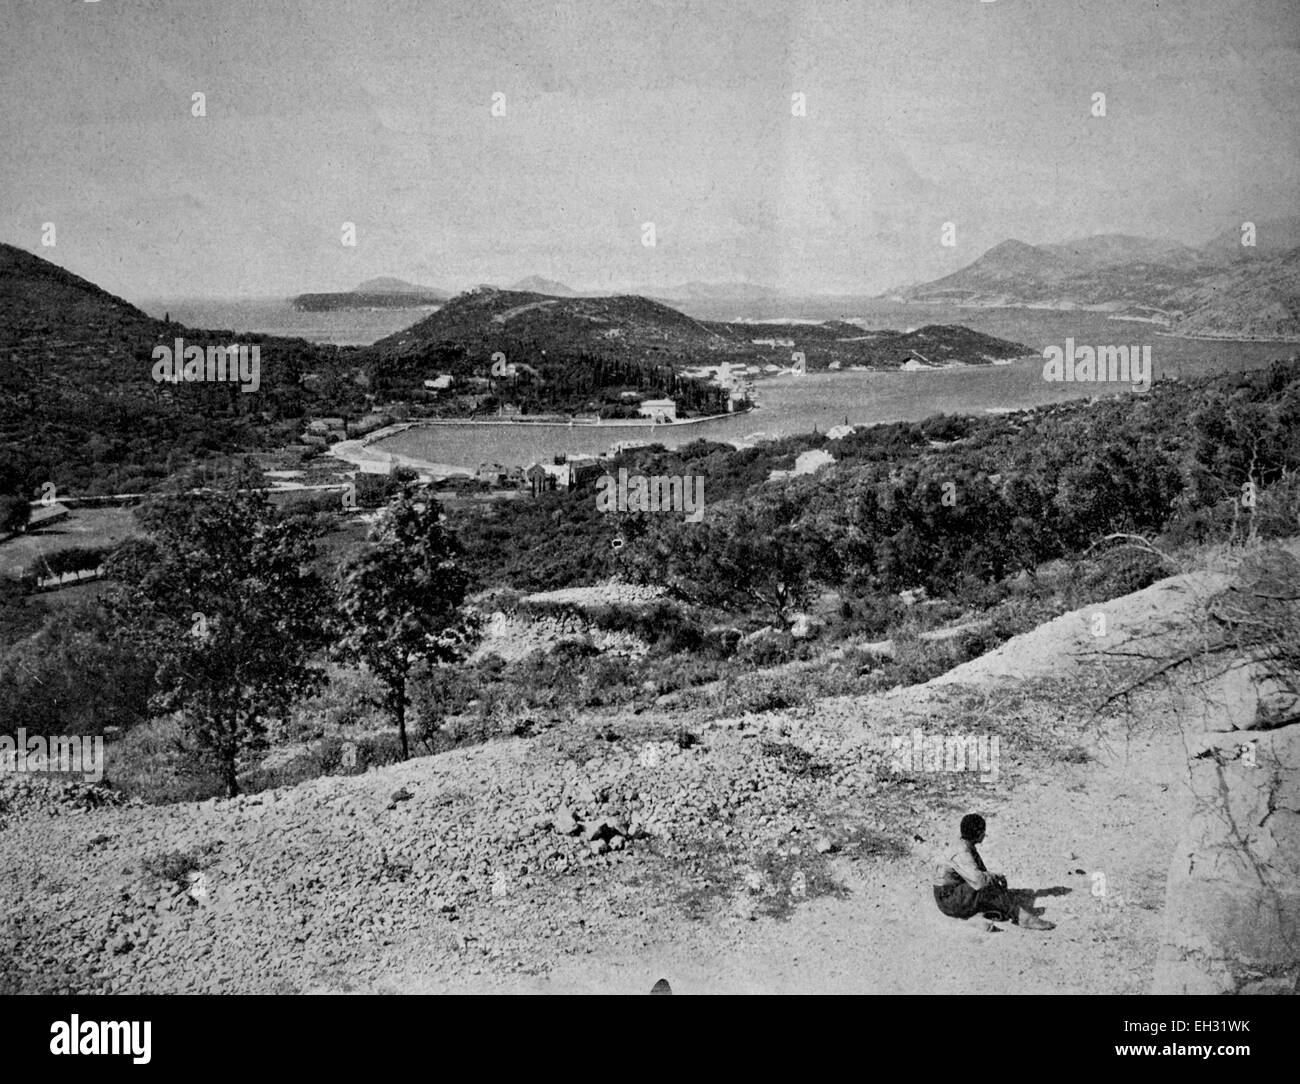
(1118, 816)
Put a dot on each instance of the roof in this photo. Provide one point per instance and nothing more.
(43, 512)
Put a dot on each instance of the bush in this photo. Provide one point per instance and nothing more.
(153, 763)
(769, 649)
(174, 867)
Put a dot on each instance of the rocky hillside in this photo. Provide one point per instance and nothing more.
(1215, 290)
(787, 851)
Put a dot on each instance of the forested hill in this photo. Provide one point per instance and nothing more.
(535, 329)
(78, 402)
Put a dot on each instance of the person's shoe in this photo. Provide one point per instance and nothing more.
(1033, 922)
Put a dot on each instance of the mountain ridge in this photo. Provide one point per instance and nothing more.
(1192, 291)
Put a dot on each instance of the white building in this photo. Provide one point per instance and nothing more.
(661, 410)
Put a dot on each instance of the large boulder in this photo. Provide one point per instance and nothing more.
(1232, 906)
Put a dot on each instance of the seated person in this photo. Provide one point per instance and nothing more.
(964, 887)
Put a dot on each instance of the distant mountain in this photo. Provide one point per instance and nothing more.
(378, 293)
(1115, 249)
(386, 284)
(1273, 237)
(1210, 290)
(535, 284)
(1250, 299)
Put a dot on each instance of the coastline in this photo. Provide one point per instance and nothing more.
(1231, 338)
(616, 423)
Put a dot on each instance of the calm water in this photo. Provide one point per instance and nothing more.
(351, 327)
(789, 404)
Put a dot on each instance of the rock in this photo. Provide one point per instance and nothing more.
(1246, 698)
(617, 843)
(565, 823)
(1232, 902)
(825, 846)
(606, 828)
(804, 625)
(598, 846)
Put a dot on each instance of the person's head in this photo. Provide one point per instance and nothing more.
(972, 827)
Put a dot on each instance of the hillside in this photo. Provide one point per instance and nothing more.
(606, 852)
(539, 329)
(79, 405)
(490, 319)
(1114, 249)
(1220, 289)
(1273, 237)
(41, 298)
(1250, 298)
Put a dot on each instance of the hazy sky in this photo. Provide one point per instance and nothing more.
(378, 112)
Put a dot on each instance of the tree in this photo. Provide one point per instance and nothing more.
(401, 602)
(73, 676)
(15, 511)
(753, 557)
(223, 597)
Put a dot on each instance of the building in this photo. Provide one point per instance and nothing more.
(327, 427)
(659, 410)
(583, 468)
(494, 474)
(621, 446)
(43, 515)
(441, 382)
(839, 432)
(543, 477)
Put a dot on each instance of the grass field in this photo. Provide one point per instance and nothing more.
(84, 527)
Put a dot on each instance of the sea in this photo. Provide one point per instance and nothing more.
(786, 404)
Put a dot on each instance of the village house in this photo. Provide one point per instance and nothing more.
(659, 410)
(330, 428)
(582, 468)
(494, 474)
(544, 477)
(43, 515)
(441, 382)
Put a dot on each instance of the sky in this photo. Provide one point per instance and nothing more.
(618, 114)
